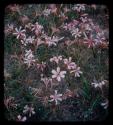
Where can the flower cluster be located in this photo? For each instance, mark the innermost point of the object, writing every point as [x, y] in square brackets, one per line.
[27, 110]
[86, 29]
[72, 67]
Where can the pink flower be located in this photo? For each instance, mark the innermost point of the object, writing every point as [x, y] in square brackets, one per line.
[69, 63]
[19, 33]
[76, 71]
[90, 41]
[56, 97]
[37, 28]
[71, 25]
[56, 59]
[58, 74]
[8, 29]
[41, 66]
[10, 102]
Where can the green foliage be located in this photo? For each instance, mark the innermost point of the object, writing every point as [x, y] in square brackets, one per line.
[86, 89]
[11, 45]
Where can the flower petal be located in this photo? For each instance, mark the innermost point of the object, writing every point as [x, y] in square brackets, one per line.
[59, 78]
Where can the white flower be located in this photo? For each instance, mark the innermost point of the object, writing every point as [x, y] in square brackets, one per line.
[99, 85]
[84, 19]
[79, 7]
[69, 63]
[47, 12]
[71, 25]
[29, 58]
[56, 97]
[99, 38]
[29, 53]
[105, 104]
[52, 41]
[58, 74]
[20, 118]
[30, 39]
[29, 110]
[77, 72]
[19, 33]
[76, 33]
[56, 59]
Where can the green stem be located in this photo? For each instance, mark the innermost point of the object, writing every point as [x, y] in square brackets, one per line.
[93, 52]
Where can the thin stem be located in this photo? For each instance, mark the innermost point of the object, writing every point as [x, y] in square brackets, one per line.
[93, 52]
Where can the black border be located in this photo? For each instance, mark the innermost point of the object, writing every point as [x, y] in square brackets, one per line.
[3, 4]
